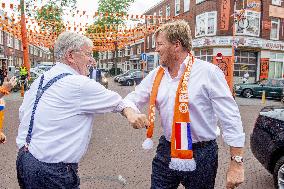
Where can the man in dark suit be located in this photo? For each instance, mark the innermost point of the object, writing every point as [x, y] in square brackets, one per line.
[95, 73]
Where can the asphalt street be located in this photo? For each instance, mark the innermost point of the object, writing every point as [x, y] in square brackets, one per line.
[115, 158]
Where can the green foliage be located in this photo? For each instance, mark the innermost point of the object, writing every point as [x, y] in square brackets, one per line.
[113, 8]
[52, 14]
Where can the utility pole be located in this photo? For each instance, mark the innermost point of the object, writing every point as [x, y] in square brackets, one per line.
[25, 42]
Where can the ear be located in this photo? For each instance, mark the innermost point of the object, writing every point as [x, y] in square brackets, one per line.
[178, 45]
[69, 56]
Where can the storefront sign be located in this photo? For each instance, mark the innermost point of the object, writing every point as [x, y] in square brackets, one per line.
[275, 11]
[273, 45]
[264, 68]
[225, 65]
[239, 41]
[254, 5]
[225, 15]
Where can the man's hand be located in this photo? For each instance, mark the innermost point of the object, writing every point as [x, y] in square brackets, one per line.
[235, 175]
[9, 84]
[137, 120]
[2, 138]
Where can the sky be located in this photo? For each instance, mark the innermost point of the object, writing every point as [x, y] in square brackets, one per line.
[138, 7]
[91, 6]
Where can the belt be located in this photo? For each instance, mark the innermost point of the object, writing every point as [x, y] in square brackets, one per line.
[194, 145]
[203, 144]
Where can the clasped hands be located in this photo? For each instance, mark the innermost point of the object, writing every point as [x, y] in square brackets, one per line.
[136, 120]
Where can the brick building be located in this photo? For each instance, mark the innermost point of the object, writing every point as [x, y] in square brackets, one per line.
[11, 50]
[257, 42]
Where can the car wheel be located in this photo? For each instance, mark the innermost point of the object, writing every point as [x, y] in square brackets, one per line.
[278, 174]
[129, 83]
[247, 93]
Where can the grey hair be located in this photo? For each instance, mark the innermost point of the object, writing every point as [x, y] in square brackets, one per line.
[69, 41]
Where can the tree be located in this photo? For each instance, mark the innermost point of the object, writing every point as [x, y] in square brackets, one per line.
[50, 16]
[113, 8]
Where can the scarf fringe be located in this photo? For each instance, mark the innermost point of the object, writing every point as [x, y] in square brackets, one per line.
[148, 144]
[182, 164]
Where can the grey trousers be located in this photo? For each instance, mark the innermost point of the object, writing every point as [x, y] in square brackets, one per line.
[206, 157]
[34, 174]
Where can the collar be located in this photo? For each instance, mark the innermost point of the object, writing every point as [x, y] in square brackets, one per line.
[66, 68]
[181, 68]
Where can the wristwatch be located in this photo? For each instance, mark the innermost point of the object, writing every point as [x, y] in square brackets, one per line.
[238, 159]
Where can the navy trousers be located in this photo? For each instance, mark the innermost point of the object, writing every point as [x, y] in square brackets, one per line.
[206, 157]
[34, 174]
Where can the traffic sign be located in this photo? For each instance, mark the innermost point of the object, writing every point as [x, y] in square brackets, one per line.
[144, 56]
[219, 56]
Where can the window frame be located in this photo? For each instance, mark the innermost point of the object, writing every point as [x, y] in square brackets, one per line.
[177, 7]
[206, 19]
[153, 41]
[186, 5]
[278, 28]
[168, 10]
[276, 2]
[245, 31]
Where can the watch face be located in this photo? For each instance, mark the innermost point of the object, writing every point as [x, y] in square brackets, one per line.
[238, 159]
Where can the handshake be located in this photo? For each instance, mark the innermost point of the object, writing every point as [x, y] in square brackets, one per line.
[136, 120]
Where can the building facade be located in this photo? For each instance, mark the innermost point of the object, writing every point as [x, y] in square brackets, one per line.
[11, 49]
[253, 37]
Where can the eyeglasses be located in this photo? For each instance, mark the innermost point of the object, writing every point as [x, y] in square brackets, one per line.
[88, 54]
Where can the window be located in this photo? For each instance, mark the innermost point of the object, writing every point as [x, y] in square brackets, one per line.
[17, 44]
[177, 7]
[131, 51]
[109, 55]
[9, 40]
[139, 49]
[275, 26]
[1, 37]
[119, 53]
[154, 18]
[206, 24]
[245, 62]
[186, 4]
[168, 10]
[204, 54]
[127, 49]
[161, 15]
[276, 65]
[199, 1]
[153, 41]
[276, 2]
[254, 24]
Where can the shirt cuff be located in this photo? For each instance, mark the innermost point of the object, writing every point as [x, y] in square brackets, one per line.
[237, 141]
[126, 104]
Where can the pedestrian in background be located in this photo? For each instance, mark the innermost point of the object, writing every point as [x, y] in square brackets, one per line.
[188, 94]
[57, 115]
[5, 90]
[95, 73]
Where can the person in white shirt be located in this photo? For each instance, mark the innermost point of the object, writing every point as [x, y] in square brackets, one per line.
[204, 95]
[57, 115]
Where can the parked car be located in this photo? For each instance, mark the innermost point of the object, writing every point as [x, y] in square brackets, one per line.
[274, 88]
[267, 142]
[116, 78]
[133, 78]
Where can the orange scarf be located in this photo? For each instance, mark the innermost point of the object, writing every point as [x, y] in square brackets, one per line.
[181, 143]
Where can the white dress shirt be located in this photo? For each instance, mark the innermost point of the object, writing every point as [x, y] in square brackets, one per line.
[209, 98]
[64, 116]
